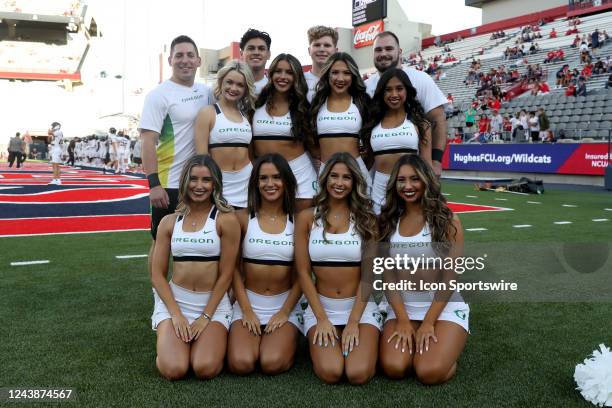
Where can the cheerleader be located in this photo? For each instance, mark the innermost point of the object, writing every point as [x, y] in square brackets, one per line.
[397, 126]
[425, 331]
[267, 316]
[280, 124]
[341, 322]
[192, 312]
[339, 109]
[224, 130]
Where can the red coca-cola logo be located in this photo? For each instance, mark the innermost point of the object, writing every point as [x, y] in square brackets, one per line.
[364, 34]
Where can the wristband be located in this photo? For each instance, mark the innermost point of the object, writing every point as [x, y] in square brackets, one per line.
[205, 315]
[437, 154]
[153, 180]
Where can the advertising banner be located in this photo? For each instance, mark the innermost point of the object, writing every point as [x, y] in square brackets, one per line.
[586, 159]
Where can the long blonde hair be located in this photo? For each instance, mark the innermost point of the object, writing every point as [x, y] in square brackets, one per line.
[359, 202]
[247, 103]
[217, 194]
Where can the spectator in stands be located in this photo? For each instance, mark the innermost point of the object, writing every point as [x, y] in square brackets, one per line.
[470, 114]
[458, 136]
[572, 30]
[585, 56]
[484, 128]
[595, 39]
[524, 118]
[544, 124]
[609, 82]
[553, 33]
[571, 89]
[599, 67]
[606, 37]
[587, 71]
[576, 41]
[534, 126]
[582, 88]
[515, 126]
[497, 122]
[543, 88]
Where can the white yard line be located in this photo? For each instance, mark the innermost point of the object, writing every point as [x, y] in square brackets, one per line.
[42, 261]
[533, 202]
[522, 226]
[475, 229]
[600, 219]
[131, 256]
[471, 196]
[501, 199]
[562, 222]
[569, 205]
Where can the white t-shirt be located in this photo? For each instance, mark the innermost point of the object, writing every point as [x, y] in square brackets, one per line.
[58, 137]
[311, 80]
[534, 124]
[428, 93]
[170, 110]
[260, 84]
[496, 123]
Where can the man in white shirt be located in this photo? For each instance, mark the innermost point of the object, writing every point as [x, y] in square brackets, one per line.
[255, 52]
[322, 42]
[497, 121]
[387, 53]
[167, 128]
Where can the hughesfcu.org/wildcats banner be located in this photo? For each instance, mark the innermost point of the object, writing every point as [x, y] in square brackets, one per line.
[559, 158]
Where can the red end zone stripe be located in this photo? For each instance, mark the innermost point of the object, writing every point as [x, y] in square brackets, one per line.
[463, 208]
[32, 226]
[76, 195]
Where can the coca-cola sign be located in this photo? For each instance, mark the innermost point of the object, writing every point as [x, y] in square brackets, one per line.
[363, 35]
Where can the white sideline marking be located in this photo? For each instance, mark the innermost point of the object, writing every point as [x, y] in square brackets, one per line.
[471, 196]
[569, 205]
[607, 209]
[446, 194]
[475, 229]
[600, 219]
[501, 199]
[562, 222]
[533, 202]
[522, 226]
[131, 256]
[42, 261]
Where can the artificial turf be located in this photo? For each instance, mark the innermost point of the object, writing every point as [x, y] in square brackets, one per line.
[83, 321]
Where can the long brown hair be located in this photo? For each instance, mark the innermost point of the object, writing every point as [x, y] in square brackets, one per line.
[435, 208]
[289, 183]
[360, 205]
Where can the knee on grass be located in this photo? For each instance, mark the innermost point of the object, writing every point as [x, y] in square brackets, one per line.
[241, 364]
[330, 373]
[273, 362]
[207, 370]
[172, 370]
[394, 369]
[359, 375]
[434, 373]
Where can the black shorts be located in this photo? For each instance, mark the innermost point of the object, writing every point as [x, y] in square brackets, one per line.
[137, 160]
[158, 213]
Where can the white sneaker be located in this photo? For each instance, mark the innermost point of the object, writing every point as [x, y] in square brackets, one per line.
[59, 182]
[54, 181]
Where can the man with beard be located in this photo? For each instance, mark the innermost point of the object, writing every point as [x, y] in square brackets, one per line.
[387, 54]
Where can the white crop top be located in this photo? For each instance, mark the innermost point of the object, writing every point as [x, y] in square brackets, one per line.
[338, 124]
[342, 249]
[415, 246]
[226, 133]
[199, 246]
[260, 247]
[401, 139]
[268, 127]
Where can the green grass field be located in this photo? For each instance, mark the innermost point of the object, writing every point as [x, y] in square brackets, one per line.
[83, 321]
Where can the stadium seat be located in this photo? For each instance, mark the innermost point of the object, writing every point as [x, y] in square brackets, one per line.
[575, 118]
[604, 125]
[564, 119]
[587, 111]
[558, 112]
[600, 104]
[597, 110]
[571, 126]
[590, 104]
[607, 116]
[595, 118]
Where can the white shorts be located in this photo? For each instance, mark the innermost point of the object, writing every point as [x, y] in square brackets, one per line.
[236, 186]
[305, 175]
[267, 306]
[379, 188]
[339, 310]
[364, 171]
[192, 305]
[56, 155]
[417, 304]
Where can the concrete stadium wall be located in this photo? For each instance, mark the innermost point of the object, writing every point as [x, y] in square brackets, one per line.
[503, 9]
